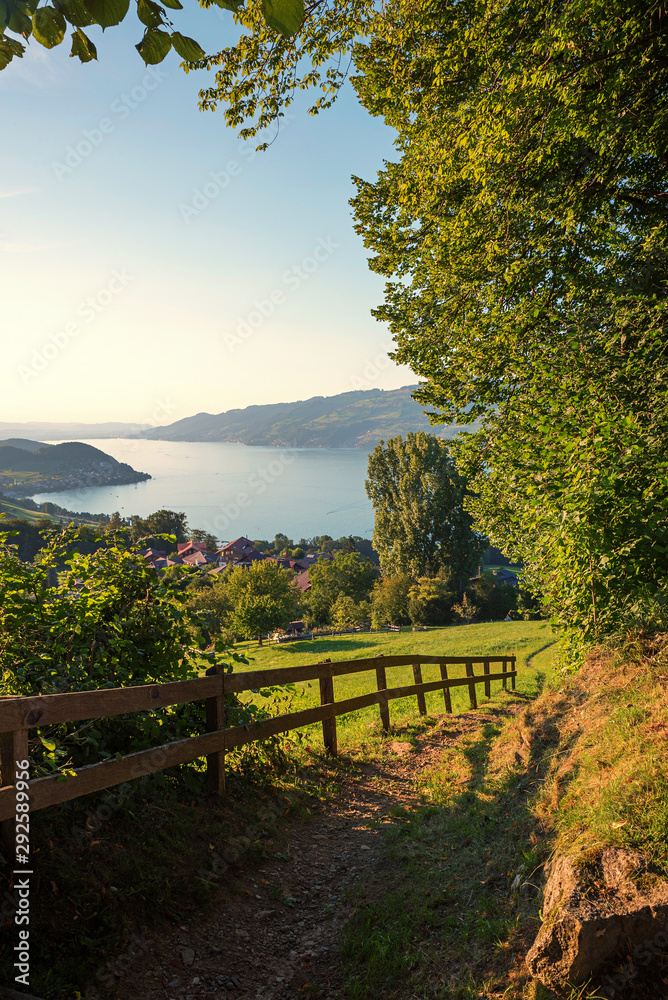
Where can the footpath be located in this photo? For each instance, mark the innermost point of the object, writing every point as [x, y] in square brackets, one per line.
[275, 931]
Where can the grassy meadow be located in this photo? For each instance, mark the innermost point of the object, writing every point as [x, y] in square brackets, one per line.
[531, 642]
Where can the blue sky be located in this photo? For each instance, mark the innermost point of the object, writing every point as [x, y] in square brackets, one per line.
[153, 266]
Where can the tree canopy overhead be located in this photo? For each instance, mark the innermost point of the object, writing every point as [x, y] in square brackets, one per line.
[523, 233]
[48, 24]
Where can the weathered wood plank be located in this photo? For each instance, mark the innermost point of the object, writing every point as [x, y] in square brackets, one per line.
[446, 689]
[329, 722]
[49, 709]
[13, 749]
[49, 791]
[513, 675]
[488, 686]
[95, 777]
[215, 722]
[381, 681]
[417, 676]
[250, 680]
[472, 691]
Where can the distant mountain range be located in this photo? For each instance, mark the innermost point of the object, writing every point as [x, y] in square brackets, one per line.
[356, 419]
[34, 467]
[45, 431]
[349, 420]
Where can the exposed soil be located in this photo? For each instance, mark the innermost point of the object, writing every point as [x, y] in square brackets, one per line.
[275, 938]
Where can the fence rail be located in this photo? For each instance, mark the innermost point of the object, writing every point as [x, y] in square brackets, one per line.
[19, 714]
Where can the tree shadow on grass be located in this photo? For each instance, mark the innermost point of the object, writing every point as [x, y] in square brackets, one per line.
[326, 646]
[460, 901]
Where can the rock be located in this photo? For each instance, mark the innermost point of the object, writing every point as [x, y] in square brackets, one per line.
[263, 914]
[593, 909]
[365, 847]
[187, 956]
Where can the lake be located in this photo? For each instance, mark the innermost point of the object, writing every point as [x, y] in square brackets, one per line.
[233, 489]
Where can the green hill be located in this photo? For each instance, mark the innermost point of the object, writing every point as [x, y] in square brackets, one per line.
[32, 467]
[349, 420]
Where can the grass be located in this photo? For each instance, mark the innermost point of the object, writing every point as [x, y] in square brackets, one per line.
[361, 730]
[581, 768]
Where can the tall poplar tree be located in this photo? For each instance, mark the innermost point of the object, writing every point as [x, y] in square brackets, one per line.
[421, 527]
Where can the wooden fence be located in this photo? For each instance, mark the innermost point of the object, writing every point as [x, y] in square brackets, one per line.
[19, 714]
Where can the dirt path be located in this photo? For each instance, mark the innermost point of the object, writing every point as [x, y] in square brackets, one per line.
[276, 939]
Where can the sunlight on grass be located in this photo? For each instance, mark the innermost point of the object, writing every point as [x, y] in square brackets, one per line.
[361, 730]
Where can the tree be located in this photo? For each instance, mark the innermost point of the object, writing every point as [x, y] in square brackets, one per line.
[199, 535]
[523, 231]
[163, 522]
[48, 25]
[262, 598]
[429, 601]
[389, 600]
[494, 600]
[421, 526]
[347, 613]
[347, 573]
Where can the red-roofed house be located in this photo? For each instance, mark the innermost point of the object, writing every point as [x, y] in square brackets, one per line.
[187, 548]
[241, 550]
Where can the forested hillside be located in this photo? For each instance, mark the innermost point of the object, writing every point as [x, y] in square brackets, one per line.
[348, 420]
[52, 467]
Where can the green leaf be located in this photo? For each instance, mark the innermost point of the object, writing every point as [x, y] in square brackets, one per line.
[75, 12]
[154, 46]
[107, 12]
[285, 16]
[149, 13]
[20, 22]
[186, 47]
[48, 26]
[82, 46]
[228, 4]
[48, 744]
[173, 4]
[4, 14]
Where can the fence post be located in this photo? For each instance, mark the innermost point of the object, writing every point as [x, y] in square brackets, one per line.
[446, 690]
[215, 720]
[488, 687]
[513, 667]
[472, 694]
[13, 748]
[503, 670]
[422, 704]
[327, 698]
[383, 703]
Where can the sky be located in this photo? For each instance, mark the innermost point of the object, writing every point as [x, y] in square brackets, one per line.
[153, 266]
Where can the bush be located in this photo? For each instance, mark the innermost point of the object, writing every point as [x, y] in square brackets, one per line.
[79, 622]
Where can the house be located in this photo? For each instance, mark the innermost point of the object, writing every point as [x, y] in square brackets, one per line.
[310, 559]
[302, 582]
[283, 562]
[151, 554]
[188, 548]
[241, 551]
[506, 576]
[199, 559]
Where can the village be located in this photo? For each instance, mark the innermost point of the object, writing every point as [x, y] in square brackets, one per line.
[240, 552]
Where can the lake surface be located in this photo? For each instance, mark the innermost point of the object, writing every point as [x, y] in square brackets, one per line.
[233, 489]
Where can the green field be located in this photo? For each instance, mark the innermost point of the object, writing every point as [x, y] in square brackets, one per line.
[527, 640]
